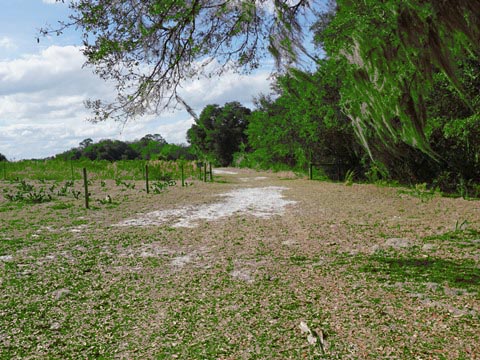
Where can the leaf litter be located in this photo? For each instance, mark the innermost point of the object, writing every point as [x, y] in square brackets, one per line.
[240, 287]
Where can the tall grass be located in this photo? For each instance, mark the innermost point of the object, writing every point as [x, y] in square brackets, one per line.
[61, 170]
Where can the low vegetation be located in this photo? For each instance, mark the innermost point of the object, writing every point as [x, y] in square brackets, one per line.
[356, 271]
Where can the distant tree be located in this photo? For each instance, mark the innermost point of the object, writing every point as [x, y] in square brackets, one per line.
[85, 143]
[219, 131]
[149, 145]
[155, 137]
[174, 152]
[111, 150]
[3, 157]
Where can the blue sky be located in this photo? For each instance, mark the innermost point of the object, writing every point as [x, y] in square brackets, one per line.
[43, 87]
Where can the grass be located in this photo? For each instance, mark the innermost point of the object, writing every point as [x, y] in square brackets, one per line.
[454, 274]
[74, 286]
[60, 170]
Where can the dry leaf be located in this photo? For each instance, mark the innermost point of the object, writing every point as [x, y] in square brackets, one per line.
[304, 328]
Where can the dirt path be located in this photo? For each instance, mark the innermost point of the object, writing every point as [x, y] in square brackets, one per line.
[257, 265]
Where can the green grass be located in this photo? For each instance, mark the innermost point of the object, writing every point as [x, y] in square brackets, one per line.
[60, 170]
[455, 274]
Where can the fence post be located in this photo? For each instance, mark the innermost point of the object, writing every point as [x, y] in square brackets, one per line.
[210, 170]
[310, 171]
[71, 167]
[4, 170]
[205, 172]
[183, 174]
[85, 184]
[146, 179]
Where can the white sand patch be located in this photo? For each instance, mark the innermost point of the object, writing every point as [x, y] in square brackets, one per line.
[224, 172]
[243, 274]
[6, 258]
[145, 251]
[181, 261]
[78, 229]
[260, 202]
[289, 242]
[257, 178]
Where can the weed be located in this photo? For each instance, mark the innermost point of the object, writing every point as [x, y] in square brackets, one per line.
[76, 193]
[63, 191]
[125, 184]
[27, 193]
[159, 186]
[420, 191]
[61, 206]
[349, 177]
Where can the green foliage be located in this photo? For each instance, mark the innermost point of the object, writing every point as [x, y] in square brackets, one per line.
[147, 148]
[219, 132]
[28, 193]
[390, 51]
[3, 157]
[172, 152]
[304, 124]
[456, 274]
[159, 187]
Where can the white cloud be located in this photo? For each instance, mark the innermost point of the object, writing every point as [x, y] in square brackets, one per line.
[42, 111]
[7, 43]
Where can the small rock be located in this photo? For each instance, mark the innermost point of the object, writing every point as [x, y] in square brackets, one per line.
[431, 286]
[6, 258]
[427, 247]
[55, 326]
[60, 293]
[397, 243]
[243, 275]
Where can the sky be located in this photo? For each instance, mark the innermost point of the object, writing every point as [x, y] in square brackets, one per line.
[43, 87]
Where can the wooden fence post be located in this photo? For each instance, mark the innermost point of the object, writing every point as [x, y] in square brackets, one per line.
[85, 185]
[183, 174]
[146, 179]
[310, 171]
[210, 170]
[204, 172]
[4, 170]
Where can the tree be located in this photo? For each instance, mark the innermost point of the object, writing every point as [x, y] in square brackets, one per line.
[149, 47]
[149, 145]
[219, 131]
[111, 150]
[85, 143]
[390, 50]
[3, 157]
[305, 122]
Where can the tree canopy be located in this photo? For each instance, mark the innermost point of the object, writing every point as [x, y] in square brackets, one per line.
[219, 131]
[150, 47]
[392, 49]
[389, 50]
[151, 146]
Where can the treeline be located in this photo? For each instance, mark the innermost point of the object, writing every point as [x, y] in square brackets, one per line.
[149, 147]
[304, 122]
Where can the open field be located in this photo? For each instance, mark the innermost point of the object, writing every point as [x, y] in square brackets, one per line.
[255, 265]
